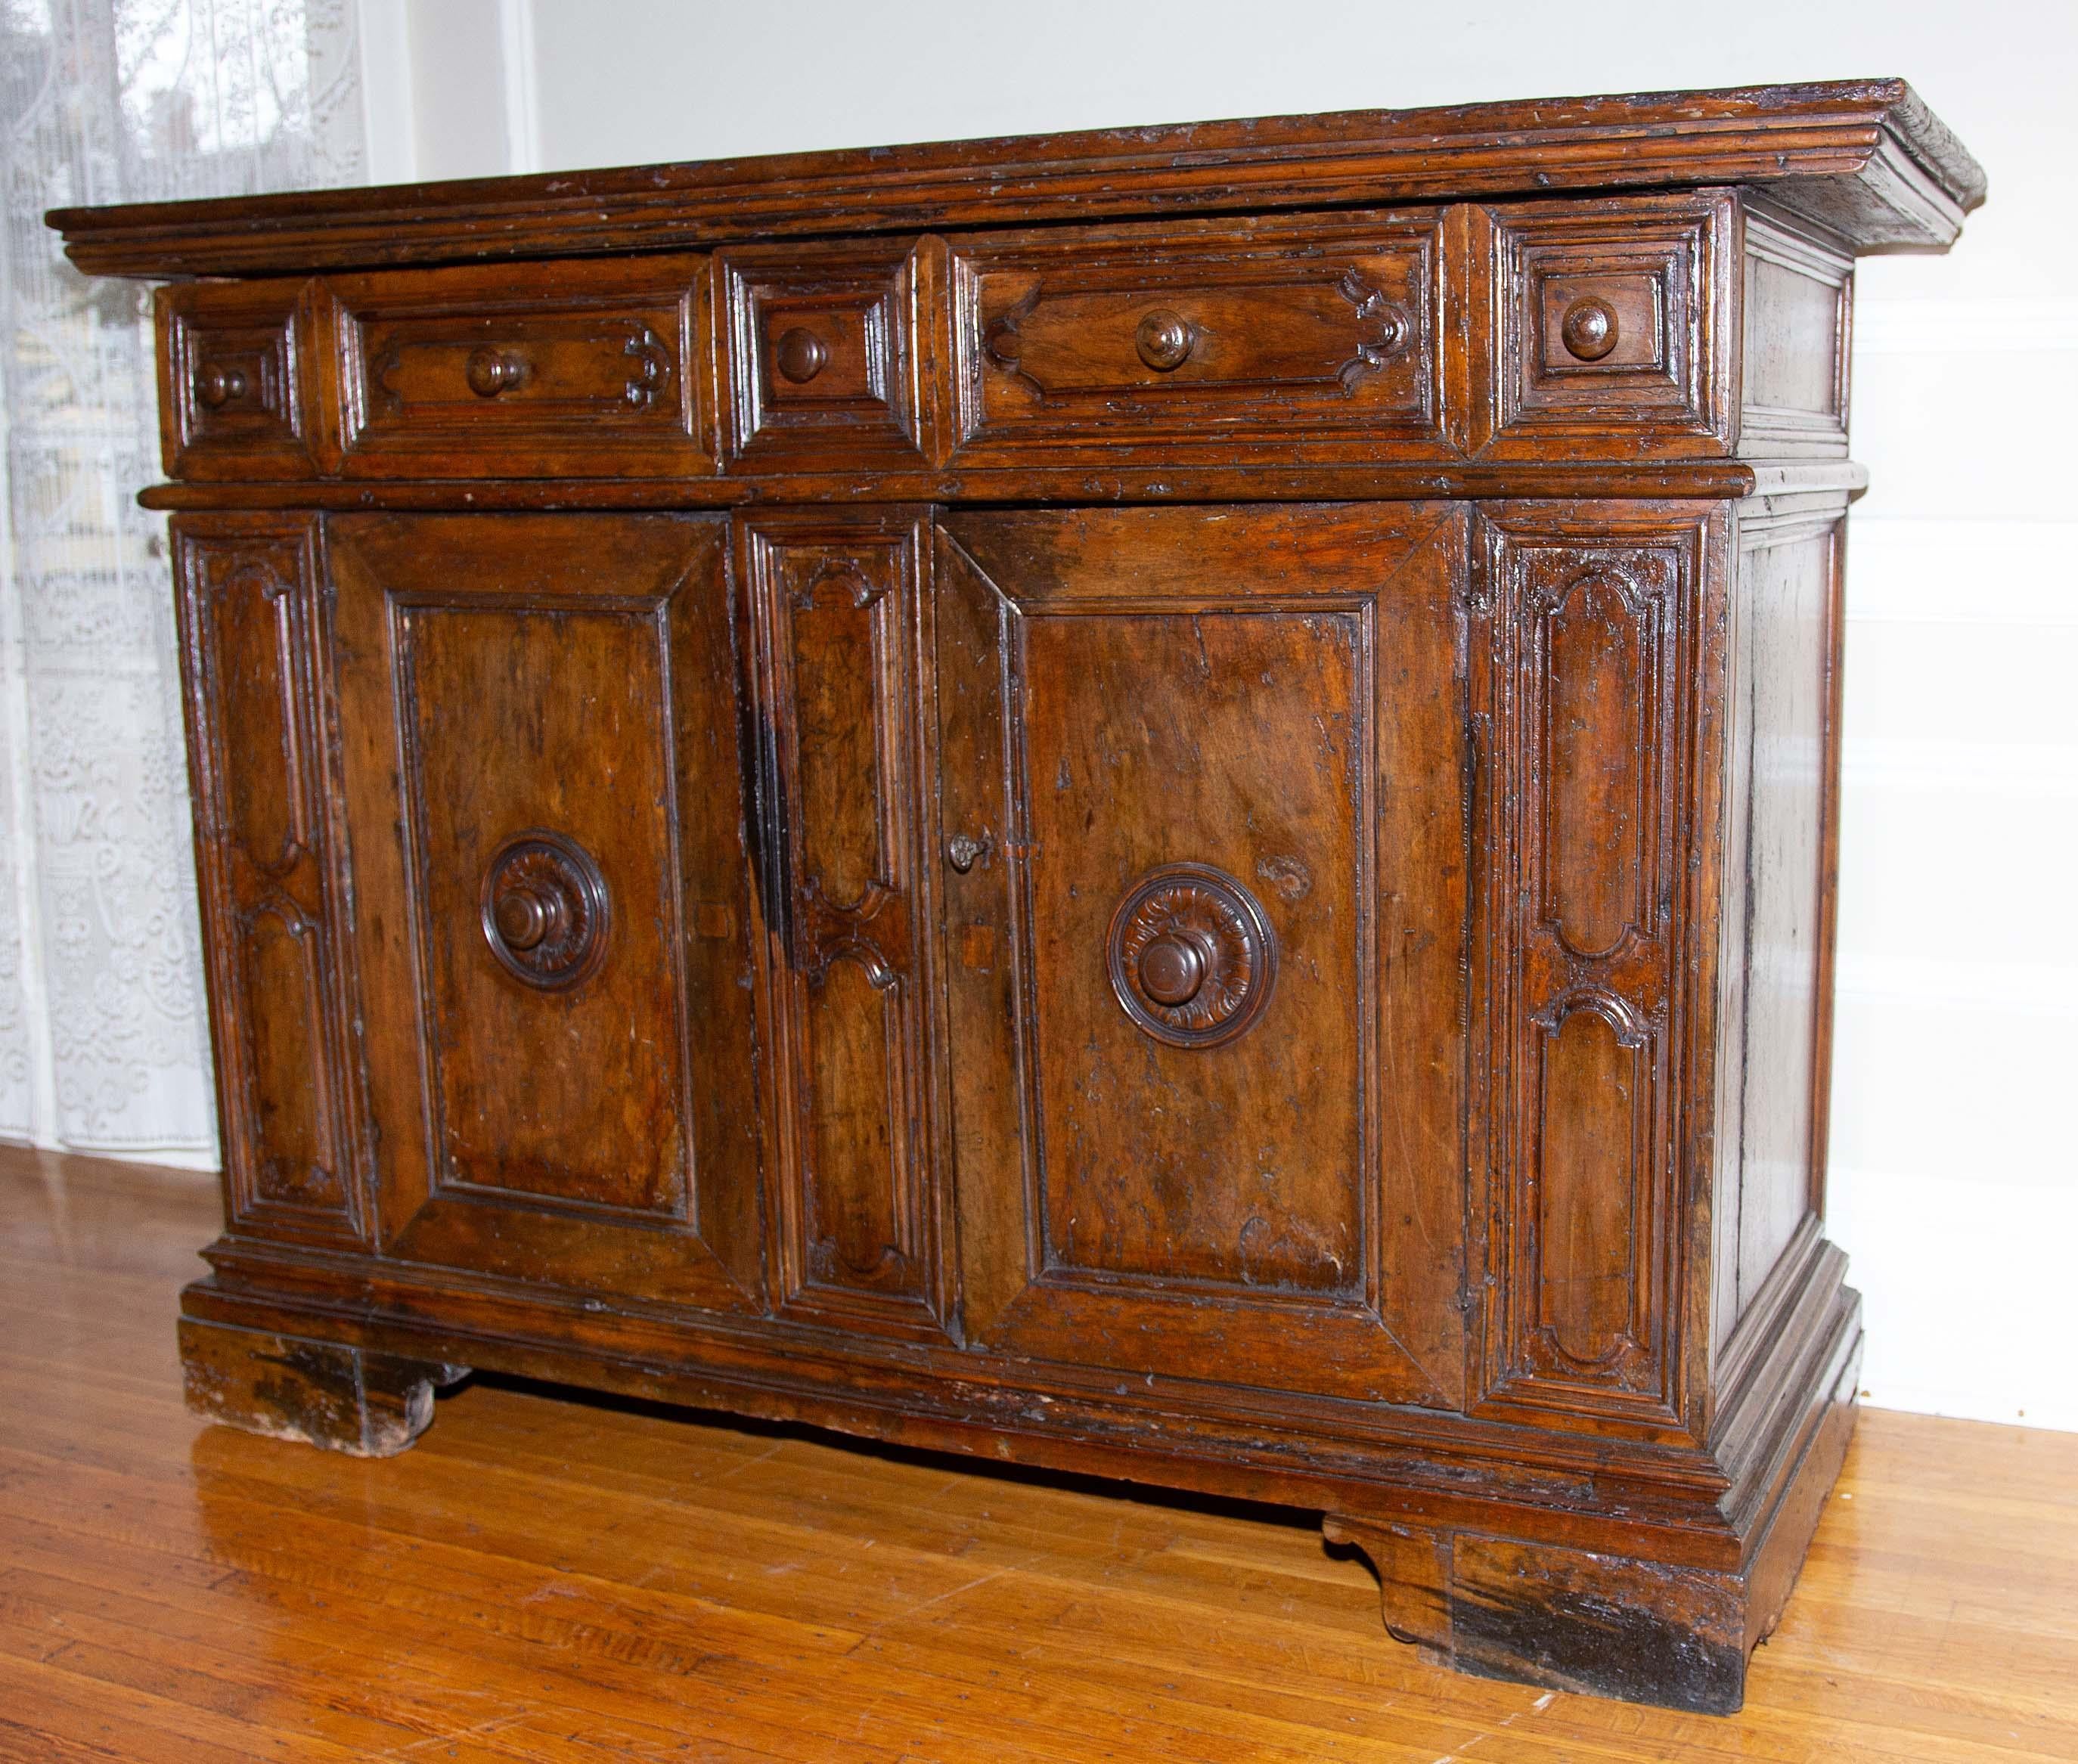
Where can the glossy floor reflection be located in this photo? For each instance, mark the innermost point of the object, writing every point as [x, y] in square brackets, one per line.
[550, 1578]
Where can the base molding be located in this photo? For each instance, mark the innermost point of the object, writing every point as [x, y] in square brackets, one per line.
[343, 1398]
[1533, 1612]
[1587, 1591]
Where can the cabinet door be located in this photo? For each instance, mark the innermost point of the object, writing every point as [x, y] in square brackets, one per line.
[1203, 798]
[544, 784]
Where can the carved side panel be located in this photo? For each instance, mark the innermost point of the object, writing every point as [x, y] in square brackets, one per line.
[837, 608]
[270, 856]
[1578, 681]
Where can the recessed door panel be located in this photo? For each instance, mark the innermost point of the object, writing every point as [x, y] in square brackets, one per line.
[546, 792]
[1207, 767]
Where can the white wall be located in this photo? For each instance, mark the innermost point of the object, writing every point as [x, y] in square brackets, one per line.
[1954, 1178]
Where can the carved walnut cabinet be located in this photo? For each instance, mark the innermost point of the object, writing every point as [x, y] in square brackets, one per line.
[1161, 803]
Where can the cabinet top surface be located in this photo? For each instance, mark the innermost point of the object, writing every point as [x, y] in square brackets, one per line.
[1865, 158]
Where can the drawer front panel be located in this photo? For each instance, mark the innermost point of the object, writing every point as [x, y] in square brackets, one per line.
[838, 605]
[237, 397]
[549, 370]
[1207, 935]
[822, 357]
[1615, 327]
[1321, 339]
[544, 705]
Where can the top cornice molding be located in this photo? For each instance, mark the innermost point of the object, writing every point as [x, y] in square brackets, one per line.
[1865, 159]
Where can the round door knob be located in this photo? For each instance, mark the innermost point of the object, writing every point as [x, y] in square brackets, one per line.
[491, 371]
[1164, 339]
[1589, 328]
[1172, 969]
[217, 385]
[801, 355]
[527, 917]
[544, 910]
[1192, 955]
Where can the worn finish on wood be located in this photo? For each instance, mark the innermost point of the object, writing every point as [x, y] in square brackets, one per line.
[565, 1581]
[1197, 846]
[1866, 158]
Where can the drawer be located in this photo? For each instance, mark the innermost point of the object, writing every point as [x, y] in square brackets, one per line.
[1615, 324]
[1319, 338]
[584, 369]
[822, 362]
[236, 394]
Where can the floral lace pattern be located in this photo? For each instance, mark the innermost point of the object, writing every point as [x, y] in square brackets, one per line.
[103, 1031]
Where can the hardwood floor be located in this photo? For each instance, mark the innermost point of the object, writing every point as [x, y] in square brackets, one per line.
[546, 1578]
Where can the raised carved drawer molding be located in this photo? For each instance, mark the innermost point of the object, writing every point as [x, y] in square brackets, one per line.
[823, 355]
[578, 370]
[838, 604]
[1615, 319]
[238, 396]
[1319, 338]
[1160, 802]
[1591, 631]
[270, 856]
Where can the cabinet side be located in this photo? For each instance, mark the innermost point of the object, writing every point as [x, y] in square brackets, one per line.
[1776, 956]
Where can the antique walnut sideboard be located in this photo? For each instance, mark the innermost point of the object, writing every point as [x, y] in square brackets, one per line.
[1159, 802]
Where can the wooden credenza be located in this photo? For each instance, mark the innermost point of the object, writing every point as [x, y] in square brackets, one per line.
[1161, 803]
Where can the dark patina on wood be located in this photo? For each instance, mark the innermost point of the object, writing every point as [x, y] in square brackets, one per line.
[1172, 813]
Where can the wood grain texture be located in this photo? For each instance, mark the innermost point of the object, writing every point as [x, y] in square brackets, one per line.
[575, 677]
[1185, 687]
[842, 613]
[1865, 158]
[735, 879]
[537, 1580]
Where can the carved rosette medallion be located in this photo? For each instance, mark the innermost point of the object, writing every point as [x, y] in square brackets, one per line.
[543, 910]
[1192, 955]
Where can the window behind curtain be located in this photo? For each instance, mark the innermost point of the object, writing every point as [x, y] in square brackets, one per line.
[103, 1029]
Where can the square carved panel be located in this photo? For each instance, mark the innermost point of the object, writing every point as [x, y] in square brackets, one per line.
[822, 353]
[1613, 325]
[236, 398]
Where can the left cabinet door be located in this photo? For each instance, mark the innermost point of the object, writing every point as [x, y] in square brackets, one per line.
[542, 777]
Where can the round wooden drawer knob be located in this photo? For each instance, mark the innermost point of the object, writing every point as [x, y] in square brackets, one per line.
[217, 385]
[801, 355]
[1164, 339]
[1589, 328]
[491, 371]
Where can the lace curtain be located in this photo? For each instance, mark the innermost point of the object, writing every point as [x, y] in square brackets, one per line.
[103, 1030]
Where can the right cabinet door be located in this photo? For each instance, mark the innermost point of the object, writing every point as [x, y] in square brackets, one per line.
[1204, 808]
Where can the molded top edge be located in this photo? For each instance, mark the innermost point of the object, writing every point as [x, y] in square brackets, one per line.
[1866, 159]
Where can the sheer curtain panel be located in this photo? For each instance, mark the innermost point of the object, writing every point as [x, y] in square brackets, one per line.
[103, 1032]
